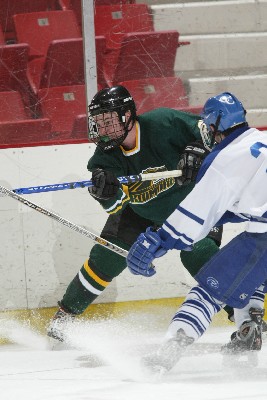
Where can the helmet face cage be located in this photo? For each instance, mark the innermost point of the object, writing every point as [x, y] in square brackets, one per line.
[223, 112]
[106, 130]
[206, 135]
[108, 122]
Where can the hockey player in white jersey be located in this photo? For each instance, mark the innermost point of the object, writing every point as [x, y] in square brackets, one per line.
[231, 187]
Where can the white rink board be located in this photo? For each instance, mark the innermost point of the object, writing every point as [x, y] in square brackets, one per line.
[39, 256]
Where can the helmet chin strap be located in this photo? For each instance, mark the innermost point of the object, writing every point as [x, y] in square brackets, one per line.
[127, 126]
[216, 131]
[217, 123]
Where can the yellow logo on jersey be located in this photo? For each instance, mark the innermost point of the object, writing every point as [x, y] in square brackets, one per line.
[143, 192]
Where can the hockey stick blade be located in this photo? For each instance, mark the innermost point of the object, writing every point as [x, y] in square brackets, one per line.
[64, 222]
[124, 180]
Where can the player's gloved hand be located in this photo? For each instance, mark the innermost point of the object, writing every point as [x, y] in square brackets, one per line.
[190, 162]
[146, 248]
[105, 184]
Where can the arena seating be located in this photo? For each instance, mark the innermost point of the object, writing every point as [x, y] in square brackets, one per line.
[56, 49]
[142, 55]
[64, 64]
[133, 49]
[151, 93]
[115, 21]
[12, 106]
[39, 29]
[74, 5]
[13, 73]
[16, 127]
[13, 65]
[25, 133]
[8, 8]
[49, 83]
[61, 105]
[148, 94]
[80, 127]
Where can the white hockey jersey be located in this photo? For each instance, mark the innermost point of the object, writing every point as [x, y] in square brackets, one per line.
[232, 178]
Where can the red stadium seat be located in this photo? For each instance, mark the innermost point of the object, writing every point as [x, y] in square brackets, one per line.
[142, 55]
[79, 128]
[13, 65]
[115, 21]
[13, 77]
[74, 5]
[152, 93]
[16, 128]
[64, 64]
[61, 105]
[25, 132]
[12, 106]
[8, 8]
[39, 29]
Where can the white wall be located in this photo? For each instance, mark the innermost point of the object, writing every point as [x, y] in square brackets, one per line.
[39, 257]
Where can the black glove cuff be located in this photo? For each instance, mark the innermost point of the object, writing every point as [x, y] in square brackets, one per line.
[216, 234]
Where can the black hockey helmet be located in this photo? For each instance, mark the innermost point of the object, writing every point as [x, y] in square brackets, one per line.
[111, 100]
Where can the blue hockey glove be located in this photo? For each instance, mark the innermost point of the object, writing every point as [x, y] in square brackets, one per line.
[146, 248]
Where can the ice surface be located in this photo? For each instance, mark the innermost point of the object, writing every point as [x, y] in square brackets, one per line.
[101, 362]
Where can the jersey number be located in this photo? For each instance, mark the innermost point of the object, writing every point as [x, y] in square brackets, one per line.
[255, 149]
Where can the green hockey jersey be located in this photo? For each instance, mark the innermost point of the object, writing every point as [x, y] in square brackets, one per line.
[161, 137]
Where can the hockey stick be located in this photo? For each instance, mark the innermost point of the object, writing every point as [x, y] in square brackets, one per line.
[125, 180]
[64, 221]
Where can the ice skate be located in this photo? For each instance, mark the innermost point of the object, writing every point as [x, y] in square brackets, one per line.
[246, 342]
[59, 324]
[168, 354]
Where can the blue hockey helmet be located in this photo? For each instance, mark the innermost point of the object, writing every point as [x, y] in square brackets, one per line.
[223, 112]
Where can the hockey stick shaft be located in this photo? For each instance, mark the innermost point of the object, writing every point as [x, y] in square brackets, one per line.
[64, 222]
[125, 180]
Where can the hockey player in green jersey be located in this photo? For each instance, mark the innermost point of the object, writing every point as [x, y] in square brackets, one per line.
[127, 144]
